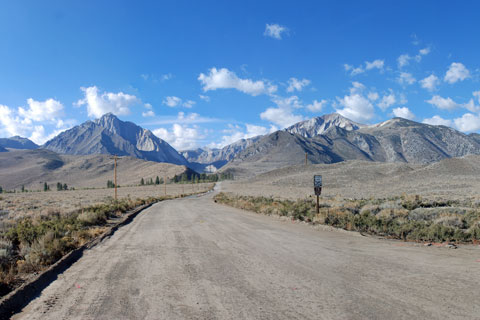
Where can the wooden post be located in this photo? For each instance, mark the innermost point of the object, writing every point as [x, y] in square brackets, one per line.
[317, 206]
[306, 158]
[165, 185]
[115, 176]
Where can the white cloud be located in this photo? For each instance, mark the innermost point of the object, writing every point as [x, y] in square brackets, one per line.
[316, 106]
[403, 112]
[438, 121]
[295, 84]
[443, 103]
[373, 96]
[406, 78]
[172, 101]
[99, 104]
[387, 101]
[12, 125]
[281, 117]
[476, 94]
[226, 79]
[189, 104]
[181, 137]
[356, 71]
[42, 110]
[288, 103]
[166, 77]
[376, 64]
[155, 78]
[430, 83]
[456, 72]
[403, 60]
[275, 31]
[148, 113]
[356, 106]
[468, 122]
[470, 106]
[40, 137]
[424, 51]
[25, 122]
[237, 133]
[357, 87]
[204, 98]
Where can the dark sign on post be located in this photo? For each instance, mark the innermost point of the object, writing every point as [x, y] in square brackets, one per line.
[317, 186]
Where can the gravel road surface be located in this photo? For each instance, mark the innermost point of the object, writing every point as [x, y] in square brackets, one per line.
[194, 259]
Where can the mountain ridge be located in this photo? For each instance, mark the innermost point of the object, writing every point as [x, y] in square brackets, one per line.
[110, 135]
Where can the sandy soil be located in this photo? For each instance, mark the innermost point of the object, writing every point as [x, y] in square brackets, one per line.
[449, 179]
[17, 205]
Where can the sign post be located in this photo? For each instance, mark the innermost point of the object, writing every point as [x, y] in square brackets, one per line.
[317, 187]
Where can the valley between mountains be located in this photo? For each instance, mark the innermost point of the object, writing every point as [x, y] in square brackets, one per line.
[397, 197]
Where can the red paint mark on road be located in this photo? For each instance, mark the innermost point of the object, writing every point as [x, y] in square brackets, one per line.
[78, 286]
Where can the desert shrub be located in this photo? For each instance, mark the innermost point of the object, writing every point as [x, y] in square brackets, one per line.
[90, 218]
[425, 221]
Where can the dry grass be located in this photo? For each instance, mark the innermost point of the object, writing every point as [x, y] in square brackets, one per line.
[406, 217]
[38, 228]
[14, 206]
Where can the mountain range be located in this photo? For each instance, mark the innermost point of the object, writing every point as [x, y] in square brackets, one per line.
[395, 140]
[327, 139]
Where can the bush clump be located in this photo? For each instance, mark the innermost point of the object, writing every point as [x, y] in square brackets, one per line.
[406, 218]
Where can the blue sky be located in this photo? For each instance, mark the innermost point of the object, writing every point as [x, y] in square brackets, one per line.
[202, 73]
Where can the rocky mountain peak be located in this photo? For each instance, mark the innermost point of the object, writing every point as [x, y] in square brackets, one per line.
[319, 125]
[110, 135]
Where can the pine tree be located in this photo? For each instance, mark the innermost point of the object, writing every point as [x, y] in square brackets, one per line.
[45, 187]
[65, 187]
[23, 188]
[142, 182]
[1, 189]
[157, 180]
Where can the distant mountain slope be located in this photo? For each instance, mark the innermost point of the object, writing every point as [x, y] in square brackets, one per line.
[395, 140]
[110, 135]
[17, 142]
[32, 168]
[320, 125]
[281, 149]
[2, 149]
[206, 159]
[409, 141]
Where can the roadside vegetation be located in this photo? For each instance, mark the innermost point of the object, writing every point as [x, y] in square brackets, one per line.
[32, 243]
[409, 218]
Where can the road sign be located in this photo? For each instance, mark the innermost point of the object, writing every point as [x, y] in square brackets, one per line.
[317, 181]
[317, 187]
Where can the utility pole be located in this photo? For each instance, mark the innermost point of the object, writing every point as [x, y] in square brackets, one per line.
[165, 184]
[115, 175]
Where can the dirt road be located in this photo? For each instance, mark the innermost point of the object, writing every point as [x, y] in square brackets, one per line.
[194, 259]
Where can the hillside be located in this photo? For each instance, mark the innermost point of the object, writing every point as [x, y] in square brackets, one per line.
[17, 142]
[454, 178]
[34, 167]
